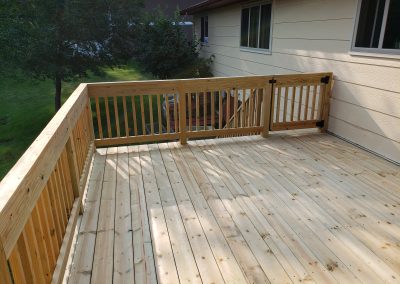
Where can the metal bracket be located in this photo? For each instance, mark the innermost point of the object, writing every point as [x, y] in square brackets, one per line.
[325, 79]
[272, 81]
[320, 123]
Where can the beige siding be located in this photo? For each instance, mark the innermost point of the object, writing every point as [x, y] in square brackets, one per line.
[315, 36]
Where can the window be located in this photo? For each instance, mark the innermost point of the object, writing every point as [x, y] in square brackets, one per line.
[204, 29]
[378, 26]
[255, 30]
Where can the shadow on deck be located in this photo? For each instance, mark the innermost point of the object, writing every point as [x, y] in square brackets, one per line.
[298, 207]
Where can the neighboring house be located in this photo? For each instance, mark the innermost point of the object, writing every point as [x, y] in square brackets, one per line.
[169, 8]
[359, 41]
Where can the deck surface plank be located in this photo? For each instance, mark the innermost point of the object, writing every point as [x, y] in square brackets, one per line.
[297, 207]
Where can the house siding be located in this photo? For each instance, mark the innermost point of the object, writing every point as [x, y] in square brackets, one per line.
[315, 36]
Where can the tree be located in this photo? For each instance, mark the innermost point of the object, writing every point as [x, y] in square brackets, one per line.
[63, 39]
[163, 49]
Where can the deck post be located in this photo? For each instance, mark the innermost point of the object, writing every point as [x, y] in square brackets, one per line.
[182, 115]
[5, 276]
[326, 103]
[266, 107]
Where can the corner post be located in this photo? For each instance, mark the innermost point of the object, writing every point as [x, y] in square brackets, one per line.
[182, 115]
[326, 102]
[266, 106]
[5, 276]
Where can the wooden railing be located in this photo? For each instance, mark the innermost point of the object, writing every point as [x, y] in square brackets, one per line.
[41, 197]
[149, 111]
[300, 101]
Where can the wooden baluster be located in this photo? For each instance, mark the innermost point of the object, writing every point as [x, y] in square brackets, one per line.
[292, 103]
[197, 111]
[56, 206]
[142, 115]
[42, 244]
[73, 167]
[49, 201]
[212, 111]
[108, 117]
[67, 185]
[160, 126]
[306, 104]
[16, 265]
[285, 103]
[220, 109]
[59, 200]
[319, 101]
[5, 276]
[235, 108]
[176, 119]
[116, 116]
[78, 146]
[267, 109]
[30, 240]
[166, 98]
[190, 111]
[258, 107]
[89, 121]
[205, 111]
[245, 112]
[126, 123]
[300, 103]
[242, 110]
[182, 115]
[68, 179]
[313, 101]
[26, 259]
[228, 108]
[272, 105]
[251, 108]
[151, 115]
[135, 128]
[278, 105]
[49, 229]
[99, 125]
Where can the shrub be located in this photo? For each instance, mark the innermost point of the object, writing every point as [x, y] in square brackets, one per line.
[163, 49]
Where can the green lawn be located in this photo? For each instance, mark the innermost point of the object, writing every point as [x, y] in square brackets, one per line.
[27, 105]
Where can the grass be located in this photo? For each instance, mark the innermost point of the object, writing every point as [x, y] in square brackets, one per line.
[27, 105]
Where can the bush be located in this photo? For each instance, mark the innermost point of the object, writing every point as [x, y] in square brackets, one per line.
[163, 49]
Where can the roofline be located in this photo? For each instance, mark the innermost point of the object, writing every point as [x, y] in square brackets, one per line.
[207, 5]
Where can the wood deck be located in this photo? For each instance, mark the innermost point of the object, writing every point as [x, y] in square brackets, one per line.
[296, 207]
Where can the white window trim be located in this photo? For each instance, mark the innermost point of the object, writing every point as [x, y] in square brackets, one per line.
[267, 51]
[364, 51]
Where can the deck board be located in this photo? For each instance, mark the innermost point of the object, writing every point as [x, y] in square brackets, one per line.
[299, 206]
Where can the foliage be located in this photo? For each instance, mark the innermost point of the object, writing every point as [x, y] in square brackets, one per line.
[163, 49]
[63, 39]
[26, 107]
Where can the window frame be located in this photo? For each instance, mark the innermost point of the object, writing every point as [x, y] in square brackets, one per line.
[379, 49]
[204, 40]
[256, 49]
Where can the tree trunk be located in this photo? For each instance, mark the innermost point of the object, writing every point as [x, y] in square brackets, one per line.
[57, 98]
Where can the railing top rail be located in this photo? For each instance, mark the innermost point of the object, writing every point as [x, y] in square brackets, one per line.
[21, 187]
[128, 88]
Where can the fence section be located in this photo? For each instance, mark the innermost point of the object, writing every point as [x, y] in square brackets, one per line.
[300, 101]
[41, 196]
